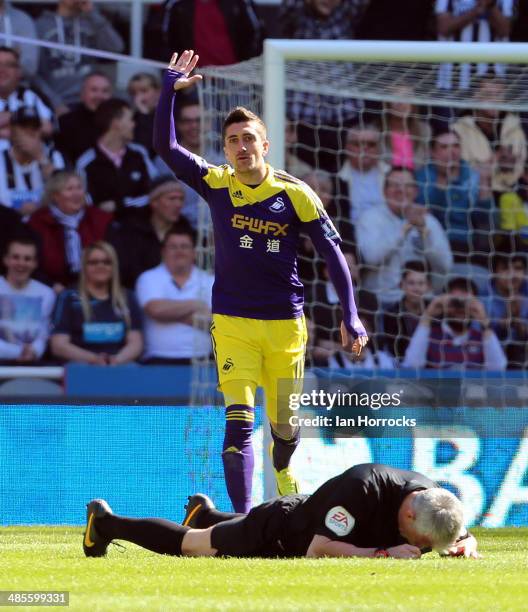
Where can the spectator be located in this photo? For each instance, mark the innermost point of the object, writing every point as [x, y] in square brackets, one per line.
[457, 196]
[471, 21]
[320, 19]
[176, 298]
[402, 20]
[25, 305]
[99, 322]
[78, 23]
[77, 131]
[27, 164]
[401, 318]
[455, 333]
[513, 217]
[11, 226]
[221, 32]
[189, 127]
[292, 163]
[65, 226]
[397, 232]
[18, 23]
[507, 307]
[325, 312]
[362, 176]
[13, 95]
[118, 171]
[405, 135]
[487, 135]
[138, 240]
[144, 90]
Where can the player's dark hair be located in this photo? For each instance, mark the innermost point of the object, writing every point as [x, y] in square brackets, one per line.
[14, 52]
[107, 111]
[463, 284]
[240, 114]
[415, 265]
[180, 230]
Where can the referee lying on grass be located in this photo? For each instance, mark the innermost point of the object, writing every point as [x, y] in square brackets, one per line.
[371, 510]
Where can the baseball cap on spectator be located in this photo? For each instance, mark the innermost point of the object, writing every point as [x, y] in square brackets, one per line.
[26, 116]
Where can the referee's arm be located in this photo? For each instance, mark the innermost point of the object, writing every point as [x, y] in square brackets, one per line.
[321, 546]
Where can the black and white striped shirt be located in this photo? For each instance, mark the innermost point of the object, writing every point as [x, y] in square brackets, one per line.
[478, 31]
[23, 96]
[23, 183]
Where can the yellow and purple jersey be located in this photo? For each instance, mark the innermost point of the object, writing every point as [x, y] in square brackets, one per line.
[256, 230]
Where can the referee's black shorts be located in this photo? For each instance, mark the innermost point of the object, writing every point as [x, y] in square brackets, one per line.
[261, 533]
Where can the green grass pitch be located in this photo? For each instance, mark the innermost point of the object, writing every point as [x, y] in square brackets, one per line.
[51, 558]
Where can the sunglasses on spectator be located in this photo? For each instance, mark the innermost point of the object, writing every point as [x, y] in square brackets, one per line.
[97, 262]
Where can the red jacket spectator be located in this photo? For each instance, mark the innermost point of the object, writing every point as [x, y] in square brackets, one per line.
[59, 258]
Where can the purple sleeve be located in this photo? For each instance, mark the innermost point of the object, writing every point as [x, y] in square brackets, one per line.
[186, 166]
[328, 247]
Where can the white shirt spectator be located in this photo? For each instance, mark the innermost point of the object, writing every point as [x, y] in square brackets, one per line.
[477, 31]
[385, 249]
[24, 318]
[174, 340]
[365, 189]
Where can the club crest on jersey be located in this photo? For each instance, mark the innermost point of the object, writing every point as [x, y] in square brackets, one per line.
[258, 226]
[278, 206]
[339, 521]
[228, 364]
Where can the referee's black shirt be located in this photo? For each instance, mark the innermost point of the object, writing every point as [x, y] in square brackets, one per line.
[359, 507]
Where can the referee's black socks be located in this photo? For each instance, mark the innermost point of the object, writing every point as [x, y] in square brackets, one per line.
[159, 535]
[284, 449]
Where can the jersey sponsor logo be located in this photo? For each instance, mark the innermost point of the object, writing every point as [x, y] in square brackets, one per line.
[339, 521]
[258, 226]
[278, 206]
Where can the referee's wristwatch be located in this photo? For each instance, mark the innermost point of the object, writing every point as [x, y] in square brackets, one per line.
[381, 553]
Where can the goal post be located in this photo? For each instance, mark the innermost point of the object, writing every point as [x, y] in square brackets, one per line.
[278, 51]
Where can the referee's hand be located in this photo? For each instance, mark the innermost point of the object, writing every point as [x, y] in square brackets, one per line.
[185, 64]
[355, 346]
[405, 551]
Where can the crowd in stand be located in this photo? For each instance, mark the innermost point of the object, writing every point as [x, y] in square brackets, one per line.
[99, 241]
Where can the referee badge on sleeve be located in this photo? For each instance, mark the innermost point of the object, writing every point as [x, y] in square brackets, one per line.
[339, 521]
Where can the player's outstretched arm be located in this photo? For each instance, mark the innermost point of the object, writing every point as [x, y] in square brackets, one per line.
[186, 166]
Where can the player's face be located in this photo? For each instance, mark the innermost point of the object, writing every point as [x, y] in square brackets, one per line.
[245, 146]
[71, 198]
[168, 206]
[98, 267]
[178, 253]
[415, 285]
[9, 72]
[20, 262]
[189, 126]
[95, 90]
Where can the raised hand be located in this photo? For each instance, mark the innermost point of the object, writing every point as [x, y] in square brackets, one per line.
[185, 64]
